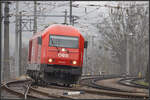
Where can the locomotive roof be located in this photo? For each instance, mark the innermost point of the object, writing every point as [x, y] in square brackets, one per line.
[59, 30]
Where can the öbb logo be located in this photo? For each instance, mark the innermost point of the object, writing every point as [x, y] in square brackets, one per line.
[63, 55]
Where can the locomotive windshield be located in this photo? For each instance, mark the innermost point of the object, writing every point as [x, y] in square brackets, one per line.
[64, 41]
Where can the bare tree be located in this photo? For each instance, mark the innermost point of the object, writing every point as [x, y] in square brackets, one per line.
[115, 31]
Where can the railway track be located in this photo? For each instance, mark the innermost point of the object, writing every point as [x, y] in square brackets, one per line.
[91, 82]
[23, 89]
[16, 88]
[131, 83]
[104, 92]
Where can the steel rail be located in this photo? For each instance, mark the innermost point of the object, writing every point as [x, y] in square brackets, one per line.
[15, 92]
[132, 83]
[27, 90]
[50, 95]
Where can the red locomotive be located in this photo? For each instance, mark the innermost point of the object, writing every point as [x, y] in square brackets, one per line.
[56, 55]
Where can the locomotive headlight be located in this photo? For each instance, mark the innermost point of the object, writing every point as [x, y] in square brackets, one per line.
[74, 62]
[50, 60]
[63, 49]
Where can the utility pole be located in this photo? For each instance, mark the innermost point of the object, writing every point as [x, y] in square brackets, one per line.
[127, 55]
[1, 37]
[16, 41]
[73, 19]
[86, 64]
[20, 44]
[65, 21]
[6, 70]
[70, 12]
[35, 18]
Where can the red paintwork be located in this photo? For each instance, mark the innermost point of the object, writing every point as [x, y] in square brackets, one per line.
[39, 54]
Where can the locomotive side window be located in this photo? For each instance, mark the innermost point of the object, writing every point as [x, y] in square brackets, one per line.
[64, 41]
[39, 40]
[30, 50]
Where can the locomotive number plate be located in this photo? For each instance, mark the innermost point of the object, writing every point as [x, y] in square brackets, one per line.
[63, 55]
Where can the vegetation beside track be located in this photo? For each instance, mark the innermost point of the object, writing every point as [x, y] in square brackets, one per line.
[142, 82]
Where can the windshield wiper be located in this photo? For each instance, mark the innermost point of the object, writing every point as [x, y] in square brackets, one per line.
[53, 45]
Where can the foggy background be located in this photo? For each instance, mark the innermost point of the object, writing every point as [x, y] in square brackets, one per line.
[106, 25]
